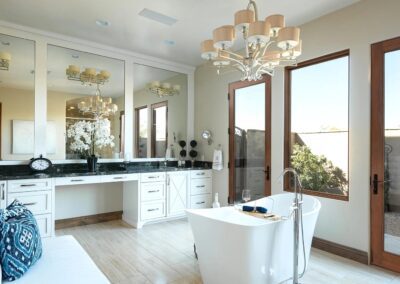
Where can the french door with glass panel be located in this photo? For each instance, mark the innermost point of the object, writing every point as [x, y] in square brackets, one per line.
[385, 154]
[249, 138]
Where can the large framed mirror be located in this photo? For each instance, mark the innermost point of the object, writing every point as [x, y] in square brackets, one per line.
[17, 98]
[86, 92]
[160, 104]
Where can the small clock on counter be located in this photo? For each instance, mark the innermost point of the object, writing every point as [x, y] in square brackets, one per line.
[40, 164]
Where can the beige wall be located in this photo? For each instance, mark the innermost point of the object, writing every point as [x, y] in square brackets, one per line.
[177, 109]
[16, 105]
[356, 28]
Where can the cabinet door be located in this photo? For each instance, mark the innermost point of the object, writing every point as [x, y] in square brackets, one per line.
[3, 194]
[177, 187]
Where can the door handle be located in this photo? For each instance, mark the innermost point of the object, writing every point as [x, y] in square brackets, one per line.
[267, 173]
[376, 182]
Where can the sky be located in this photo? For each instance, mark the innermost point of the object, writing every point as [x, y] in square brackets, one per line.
[320, 96]
[392, 90]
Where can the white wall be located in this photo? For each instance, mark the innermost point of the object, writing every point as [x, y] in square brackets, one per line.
[355, 28]
[84, 200]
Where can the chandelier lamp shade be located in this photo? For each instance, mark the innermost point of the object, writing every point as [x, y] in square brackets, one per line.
[268, 44]
[89, 76]
[5, 59]
[163, 89]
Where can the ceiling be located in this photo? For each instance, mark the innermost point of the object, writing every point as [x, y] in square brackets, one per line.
[179, 42]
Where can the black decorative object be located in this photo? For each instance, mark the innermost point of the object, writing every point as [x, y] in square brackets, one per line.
[183, 153]
[193, 154]
[182, 143]
[40, 164]
[92, 163]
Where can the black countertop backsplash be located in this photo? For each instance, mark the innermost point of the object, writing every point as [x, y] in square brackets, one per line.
[9, 172]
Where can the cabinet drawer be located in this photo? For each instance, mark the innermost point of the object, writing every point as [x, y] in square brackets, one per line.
[152, 210]
[77, 180]
[39, 202]
[152, 177]
[29, 185]
[44, 224]
[152, 191]
[201, 174]
[117, 178]
[200, 186]
[200, 201]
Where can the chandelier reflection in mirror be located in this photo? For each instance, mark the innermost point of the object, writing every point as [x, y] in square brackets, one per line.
[163, 90]
[5, 59]
[88, 77]
[97, 105]
[268, 44]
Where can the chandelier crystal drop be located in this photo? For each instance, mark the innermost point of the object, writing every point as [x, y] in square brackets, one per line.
[268, 44]
[163, 90]
[97, 105]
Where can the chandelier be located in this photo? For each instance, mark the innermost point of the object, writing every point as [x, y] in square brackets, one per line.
[5, 59]
[97, 105]
[268, 44]
[164, 89]
[88, 77]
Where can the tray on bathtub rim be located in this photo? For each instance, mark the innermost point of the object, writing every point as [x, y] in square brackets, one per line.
[266, 216]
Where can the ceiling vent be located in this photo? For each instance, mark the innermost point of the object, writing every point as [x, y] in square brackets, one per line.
[158, 17]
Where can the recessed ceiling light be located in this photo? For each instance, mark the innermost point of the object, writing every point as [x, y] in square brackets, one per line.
[5, 43]
[75, 56]
[103, 23]
[158, 17]
[169, 42]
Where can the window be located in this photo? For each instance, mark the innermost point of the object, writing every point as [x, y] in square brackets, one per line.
[316, 124]
[159, 130]
[141, 132]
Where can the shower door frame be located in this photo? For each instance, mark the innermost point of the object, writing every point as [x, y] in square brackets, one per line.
[379, 256]
[267, 167]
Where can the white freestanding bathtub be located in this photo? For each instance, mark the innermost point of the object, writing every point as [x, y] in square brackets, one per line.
[236, 248]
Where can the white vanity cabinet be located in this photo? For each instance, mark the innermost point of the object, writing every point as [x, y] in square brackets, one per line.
[3, 194]
[200, 189]
[38, 196]
[177, 193]
[161, 196]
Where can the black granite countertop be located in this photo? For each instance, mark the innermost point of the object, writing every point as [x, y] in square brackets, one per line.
[13, 172]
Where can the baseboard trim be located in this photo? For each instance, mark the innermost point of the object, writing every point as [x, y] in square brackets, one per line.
[341, 250]
[88, 220]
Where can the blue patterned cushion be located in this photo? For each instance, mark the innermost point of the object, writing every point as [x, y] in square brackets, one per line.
[20, 242]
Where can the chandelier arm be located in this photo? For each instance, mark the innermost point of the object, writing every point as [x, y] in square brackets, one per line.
[240, 57]
[253, 3]
[266, 48]
[234, 60]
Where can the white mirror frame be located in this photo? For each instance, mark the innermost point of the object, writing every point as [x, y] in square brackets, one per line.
[43, 38]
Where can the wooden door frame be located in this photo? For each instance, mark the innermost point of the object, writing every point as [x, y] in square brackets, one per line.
[231, 96]
[378, 255]
[137, 130]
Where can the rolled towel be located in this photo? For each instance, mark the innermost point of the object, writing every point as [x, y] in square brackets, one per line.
[218, 162]
[259, 209]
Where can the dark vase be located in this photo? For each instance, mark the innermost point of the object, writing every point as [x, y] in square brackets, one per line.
[92, 162]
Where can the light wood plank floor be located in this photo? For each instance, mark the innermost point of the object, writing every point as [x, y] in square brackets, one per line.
[163, 253]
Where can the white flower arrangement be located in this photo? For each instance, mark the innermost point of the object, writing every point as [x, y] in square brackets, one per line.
[87, 135]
